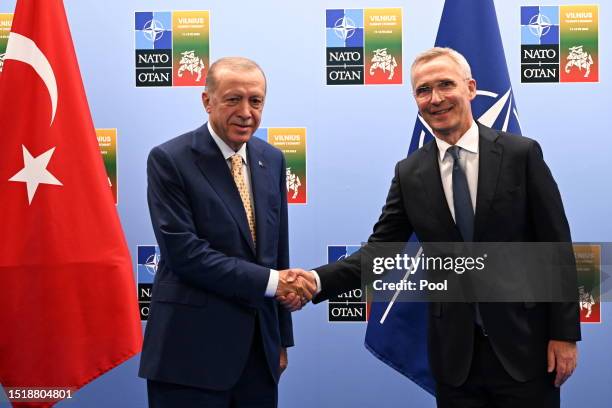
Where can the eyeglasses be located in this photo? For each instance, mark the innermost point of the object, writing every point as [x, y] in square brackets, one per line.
[444, 87]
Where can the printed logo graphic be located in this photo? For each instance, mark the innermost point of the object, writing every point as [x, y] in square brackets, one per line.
[172, 48]
[559, 44]
[350, 306]
[292, 142]
[6, 20]
[107, 140]
[588, 265]
[364, 46]
[148, 259]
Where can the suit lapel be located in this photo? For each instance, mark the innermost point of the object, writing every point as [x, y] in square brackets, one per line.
[429, 172]
[216, 171]
[260, 181]
[489, 164]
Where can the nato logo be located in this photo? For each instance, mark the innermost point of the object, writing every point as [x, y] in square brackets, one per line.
[148, 260]
[350, 306]
[344, 52]
[153, 32]
[539, 44]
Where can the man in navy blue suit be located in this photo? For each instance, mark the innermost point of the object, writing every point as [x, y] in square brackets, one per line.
[216, 336]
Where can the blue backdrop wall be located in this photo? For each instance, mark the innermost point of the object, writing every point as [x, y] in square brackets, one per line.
[356, 134]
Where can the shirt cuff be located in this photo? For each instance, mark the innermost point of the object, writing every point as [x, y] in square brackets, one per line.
[272, 283]
[316, 275]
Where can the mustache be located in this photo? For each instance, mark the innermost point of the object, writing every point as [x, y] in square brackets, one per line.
[241, 122]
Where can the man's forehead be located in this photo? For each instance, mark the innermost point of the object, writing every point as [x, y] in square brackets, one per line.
[227, 72]
[233, 77]
[436, 69]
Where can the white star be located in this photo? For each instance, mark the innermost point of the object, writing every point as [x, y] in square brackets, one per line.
[344, 28]
[35, 172]
[539, 25]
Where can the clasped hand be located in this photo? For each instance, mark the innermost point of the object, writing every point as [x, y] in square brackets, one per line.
[296, 287]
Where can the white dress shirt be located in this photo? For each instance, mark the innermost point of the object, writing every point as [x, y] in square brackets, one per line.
[227, 153]
[468, 161]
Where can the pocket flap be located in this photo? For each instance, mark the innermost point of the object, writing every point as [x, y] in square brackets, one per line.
[179, 293]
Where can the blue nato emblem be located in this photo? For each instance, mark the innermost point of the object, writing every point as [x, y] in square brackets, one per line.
[148, 260]
[540, 25]
[344, 28]
[339, 252]
[153, 30]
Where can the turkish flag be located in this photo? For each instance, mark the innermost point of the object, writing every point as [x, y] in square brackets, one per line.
[68, 308]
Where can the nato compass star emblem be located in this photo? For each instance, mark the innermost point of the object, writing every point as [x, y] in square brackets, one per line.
[539, 25]
[344, 28]
[153, 30]
[152, 263]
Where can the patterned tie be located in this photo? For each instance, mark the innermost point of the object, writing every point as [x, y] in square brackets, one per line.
[244, 193]
[464, 212]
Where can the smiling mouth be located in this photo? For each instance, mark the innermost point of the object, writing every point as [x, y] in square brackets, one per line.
[442, 111]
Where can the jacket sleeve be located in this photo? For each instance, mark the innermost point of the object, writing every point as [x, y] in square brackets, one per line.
[188, 255]
[550, 225]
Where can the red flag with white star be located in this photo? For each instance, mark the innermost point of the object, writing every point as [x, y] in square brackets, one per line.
[68, 309]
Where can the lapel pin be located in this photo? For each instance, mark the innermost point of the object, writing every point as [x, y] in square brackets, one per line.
[260, 163]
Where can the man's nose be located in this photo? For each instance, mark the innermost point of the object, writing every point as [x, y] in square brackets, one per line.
[436, 96]
[244, 110]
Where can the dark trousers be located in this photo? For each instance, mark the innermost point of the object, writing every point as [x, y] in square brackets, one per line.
[255, 388]
[489, 385]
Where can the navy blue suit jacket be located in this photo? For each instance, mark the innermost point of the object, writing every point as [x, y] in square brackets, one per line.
[210, 283]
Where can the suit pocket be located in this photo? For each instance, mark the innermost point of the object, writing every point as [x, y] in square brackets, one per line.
[171, 292]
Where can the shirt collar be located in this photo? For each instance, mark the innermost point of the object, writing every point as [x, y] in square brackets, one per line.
[227, 151]
[468, 141]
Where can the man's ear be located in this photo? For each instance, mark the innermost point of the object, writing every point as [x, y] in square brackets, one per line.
[472, 87]
[206, 101]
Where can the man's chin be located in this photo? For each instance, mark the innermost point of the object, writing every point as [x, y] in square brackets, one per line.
[443, 130]
[240, 138]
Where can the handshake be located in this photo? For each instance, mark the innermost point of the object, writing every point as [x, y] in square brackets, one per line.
[296, 287]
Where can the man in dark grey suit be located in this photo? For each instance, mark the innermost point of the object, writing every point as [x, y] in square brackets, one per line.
[475, 184]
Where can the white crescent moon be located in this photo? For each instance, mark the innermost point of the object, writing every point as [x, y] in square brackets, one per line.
[21, 48]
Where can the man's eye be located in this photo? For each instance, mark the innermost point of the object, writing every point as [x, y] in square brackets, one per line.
[256, 102]
[423, 90]
[445, 85]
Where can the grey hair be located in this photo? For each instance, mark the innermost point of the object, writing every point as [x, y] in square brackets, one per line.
[240, 64]
[437, 52]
